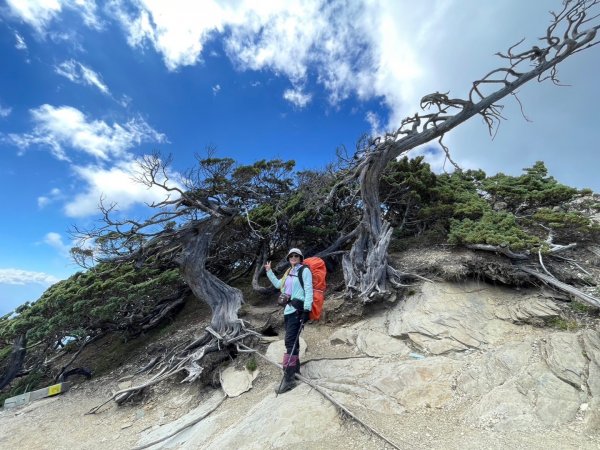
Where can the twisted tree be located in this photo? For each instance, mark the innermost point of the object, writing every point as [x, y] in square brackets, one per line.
[572, 30]
[210, 203]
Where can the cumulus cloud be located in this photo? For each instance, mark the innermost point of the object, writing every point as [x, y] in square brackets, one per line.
[115, 185]
[297, 97]
[65, 128]
[216, 88]
[176, 29]
[55, 241]
[22, 277]
[80, 74]
[40, 13]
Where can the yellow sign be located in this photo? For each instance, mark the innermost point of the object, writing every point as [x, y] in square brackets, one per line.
[55, 389]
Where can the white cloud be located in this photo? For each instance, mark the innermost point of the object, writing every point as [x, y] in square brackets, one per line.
[365, 48]
[5, 111]
[22, 277]
[113, 185]
[40, 13]
[297, 97]
[216, 88]
[374, 122]
[80, 74]
[55, 241]
[176, 29]
[388, 50]
[20, 42]
[65, 128]
[54, 195]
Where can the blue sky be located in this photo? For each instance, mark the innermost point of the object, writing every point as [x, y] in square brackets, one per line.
[87, 87]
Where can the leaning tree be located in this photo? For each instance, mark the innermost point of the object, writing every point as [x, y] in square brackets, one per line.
[366, 269]
[204, 219]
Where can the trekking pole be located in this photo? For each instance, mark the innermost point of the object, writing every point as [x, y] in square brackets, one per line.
[288, 363]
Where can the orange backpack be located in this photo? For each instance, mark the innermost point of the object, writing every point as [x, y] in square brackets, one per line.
[319, 272]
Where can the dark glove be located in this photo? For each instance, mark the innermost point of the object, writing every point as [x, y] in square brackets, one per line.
[305, 316]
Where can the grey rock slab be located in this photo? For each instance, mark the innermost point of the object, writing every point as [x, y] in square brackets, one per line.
[532, 399]
[297, 418]
[276, 350]
[178, 439]
[446, 317]
[591, 348]
[344, 336]
[494, 368]
[528, 309]
[385, 385]
[565, 358]
[375, 343]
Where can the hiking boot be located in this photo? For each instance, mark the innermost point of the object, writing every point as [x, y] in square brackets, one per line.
[289, 382]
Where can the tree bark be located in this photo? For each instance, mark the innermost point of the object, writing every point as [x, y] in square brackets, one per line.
[15, 362]
[224, 300]
[366, 266]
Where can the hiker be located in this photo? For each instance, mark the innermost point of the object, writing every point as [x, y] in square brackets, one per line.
[295, 314]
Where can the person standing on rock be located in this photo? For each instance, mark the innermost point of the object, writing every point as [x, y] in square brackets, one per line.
[298, 304]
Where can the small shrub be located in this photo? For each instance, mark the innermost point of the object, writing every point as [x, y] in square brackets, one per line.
[580, 307]
[562, 324]
[251, 364]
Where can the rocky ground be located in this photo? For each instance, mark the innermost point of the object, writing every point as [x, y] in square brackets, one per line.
[454, 365]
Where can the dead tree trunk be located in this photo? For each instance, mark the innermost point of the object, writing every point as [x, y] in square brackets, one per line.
[15, 362]
[366, 270]
[224, 300]
[365, 267]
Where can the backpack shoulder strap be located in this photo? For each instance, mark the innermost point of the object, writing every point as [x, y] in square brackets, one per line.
[300, 272]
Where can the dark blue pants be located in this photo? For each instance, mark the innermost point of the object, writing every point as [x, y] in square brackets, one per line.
[292, 329]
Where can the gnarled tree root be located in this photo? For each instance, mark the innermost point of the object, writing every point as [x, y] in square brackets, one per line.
[586, 298]
[189, 360]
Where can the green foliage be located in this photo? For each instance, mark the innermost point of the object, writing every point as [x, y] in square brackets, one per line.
[5, 352]
[418, 202]
[91, 302]
[532, 189]
[493, 228]
[459, 207]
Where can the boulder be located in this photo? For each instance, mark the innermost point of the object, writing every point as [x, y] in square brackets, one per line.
[235, 382]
